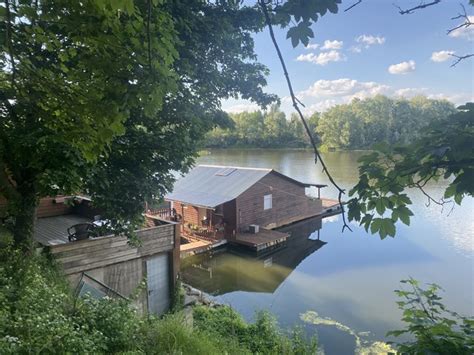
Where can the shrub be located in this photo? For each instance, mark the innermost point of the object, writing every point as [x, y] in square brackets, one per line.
[436, 330]
[38, 314]
[262, 337]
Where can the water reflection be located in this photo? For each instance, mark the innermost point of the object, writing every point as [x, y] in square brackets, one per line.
[351, 278]
[229, 270]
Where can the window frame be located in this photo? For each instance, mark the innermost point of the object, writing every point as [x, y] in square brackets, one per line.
[267, 202]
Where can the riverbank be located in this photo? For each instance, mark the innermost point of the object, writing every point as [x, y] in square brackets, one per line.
[39, 313]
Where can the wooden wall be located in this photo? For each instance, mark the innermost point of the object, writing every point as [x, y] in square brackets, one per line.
[47, 207]
[289, 203]
[88, 254]
[114, 262]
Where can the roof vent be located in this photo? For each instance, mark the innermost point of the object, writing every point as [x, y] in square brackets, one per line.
[225, 172]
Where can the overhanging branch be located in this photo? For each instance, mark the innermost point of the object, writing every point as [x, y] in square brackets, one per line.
[295, 102]
[413, 9]
[460, 58]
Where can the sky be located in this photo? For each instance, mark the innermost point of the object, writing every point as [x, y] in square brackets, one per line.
[370, 50]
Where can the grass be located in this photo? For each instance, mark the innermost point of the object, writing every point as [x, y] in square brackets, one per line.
[38, 314]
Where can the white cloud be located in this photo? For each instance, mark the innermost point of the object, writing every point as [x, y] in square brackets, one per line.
[465, 32]
[369, 40]
[402, 68]
[324, 94]
[356, 49]
[441, 56]
[365, 41]
[321, 58]
[332, 44]
[312, 46]
[345, 88]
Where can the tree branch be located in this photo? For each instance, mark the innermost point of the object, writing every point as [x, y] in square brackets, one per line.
[467, 22]
[353, 5]
[442, 202]
[421, 6]
[460, 58]
[298, 110]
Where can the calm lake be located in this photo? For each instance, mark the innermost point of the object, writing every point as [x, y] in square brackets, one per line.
[346, 278]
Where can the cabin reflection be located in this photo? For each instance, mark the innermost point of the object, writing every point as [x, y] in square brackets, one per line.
[229, 270]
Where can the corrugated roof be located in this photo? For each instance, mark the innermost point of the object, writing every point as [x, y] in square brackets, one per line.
[211, 185]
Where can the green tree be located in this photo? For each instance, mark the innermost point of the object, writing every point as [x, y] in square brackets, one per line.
[275, 126]
[66, 92]
[363, 123]
[444, 152]
[110, 96]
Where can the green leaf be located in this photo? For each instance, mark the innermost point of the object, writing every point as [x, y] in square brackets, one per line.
[380, 206]
[375, 226]
[395, 215]
[405, 218]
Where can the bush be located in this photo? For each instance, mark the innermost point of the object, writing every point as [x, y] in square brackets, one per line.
[262, 337]
[436, 330]
[38, 314]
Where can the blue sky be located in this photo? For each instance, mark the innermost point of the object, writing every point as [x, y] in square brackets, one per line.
[370, 50]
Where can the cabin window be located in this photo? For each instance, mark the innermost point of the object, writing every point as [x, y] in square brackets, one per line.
[267, 202]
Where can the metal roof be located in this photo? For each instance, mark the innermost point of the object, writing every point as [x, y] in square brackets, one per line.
[210, 185]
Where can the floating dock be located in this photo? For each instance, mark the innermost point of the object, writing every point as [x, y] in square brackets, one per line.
[264, 239]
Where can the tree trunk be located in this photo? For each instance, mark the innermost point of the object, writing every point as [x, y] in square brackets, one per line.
[25, 211]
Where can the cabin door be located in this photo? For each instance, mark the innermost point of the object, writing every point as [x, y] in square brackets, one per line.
[158, 282]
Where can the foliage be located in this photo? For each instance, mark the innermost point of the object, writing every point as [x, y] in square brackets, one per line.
[178, 298]
[109, 97]
[259, 129]
[302, 14]
[363, 123]
[436, 329]
[224, 321]
[358, 125]
[38, 314]
[66, 91]
[445, 151]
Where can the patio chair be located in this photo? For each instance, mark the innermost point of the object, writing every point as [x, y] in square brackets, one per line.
[81, 231]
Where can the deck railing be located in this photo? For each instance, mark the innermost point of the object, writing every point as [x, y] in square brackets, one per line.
[163, 213]
[208, 233]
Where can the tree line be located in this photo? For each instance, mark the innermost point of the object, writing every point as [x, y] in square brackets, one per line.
[357, 125]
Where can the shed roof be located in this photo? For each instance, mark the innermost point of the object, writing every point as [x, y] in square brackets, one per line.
[212, 185]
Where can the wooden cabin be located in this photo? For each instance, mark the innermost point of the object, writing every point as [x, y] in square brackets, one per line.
[232, 202]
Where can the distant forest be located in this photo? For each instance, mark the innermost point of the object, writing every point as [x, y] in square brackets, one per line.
[357, 125]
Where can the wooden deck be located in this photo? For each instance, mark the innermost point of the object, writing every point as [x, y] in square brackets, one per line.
[53, 230]
[199, 246]
[264, 239]
[330, 206]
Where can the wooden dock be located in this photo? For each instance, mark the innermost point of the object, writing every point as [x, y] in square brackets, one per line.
[264, 239]
[199, 246]
[330, 206]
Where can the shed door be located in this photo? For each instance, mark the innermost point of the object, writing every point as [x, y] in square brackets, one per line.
[158, 282]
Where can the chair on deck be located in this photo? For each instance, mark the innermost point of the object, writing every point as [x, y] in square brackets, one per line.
[81, 231]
